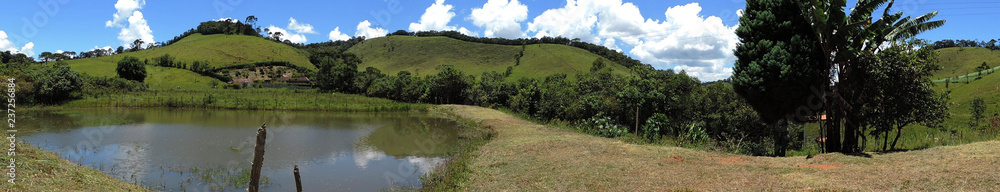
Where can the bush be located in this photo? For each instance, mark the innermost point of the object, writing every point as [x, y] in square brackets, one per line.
[655, 127]
[525, 97]
[164, 61]
[115, 84]
[695, 133]
[447, 87]
[207, 100]
[602, 126]
[131, 68]
[56, 83]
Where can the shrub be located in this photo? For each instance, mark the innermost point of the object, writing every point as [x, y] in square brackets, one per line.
[207, 100]
[655, 127]
[695, 133]
[56, 83]
[447, 87]
[115, 84]
[602, 125]
[131, 68]
[977, 108]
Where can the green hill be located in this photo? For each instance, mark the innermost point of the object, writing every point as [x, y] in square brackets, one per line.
[962, 94]
[423, 55]
[958, 61]
[158, 78]
[218, 50]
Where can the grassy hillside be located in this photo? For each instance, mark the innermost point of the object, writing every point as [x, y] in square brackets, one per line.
[957, 61]
[218, 50]
[424, 54]
[158, 78]
[961, 62]
[962, 94]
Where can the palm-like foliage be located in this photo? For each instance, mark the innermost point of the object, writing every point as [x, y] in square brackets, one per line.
[844, 38]
[842, 33]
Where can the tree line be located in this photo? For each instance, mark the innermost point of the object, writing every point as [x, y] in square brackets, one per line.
[650, 105]
[611, 55]
[991, 44]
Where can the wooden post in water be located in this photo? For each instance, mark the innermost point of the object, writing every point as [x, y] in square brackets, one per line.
[258, 159]
[298, 180]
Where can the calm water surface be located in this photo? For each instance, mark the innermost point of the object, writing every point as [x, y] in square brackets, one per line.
[206, 150]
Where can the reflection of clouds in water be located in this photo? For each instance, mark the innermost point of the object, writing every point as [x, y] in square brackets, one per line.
[364, 154]
[133, 158]
[425, 165]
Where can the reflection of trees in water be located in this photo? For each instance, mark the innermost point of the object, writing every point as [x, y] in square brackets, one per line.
[414, 136]
[45, 120]
[73, 119]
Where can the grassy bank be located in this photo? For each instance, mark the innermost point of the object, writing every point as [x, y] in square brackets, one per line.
[40, 170]
[242, 99]
[456, 173]
[525, 156]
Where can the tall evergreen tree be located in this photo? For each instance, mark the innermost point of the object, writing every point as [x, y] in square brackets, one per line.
[779, 68]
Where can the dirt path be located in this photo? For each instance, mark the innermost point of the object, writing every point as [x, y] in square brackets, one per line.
[528, 157]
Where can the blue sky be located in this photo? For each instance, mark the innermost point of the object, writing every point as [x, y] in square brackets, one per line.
[695, 36]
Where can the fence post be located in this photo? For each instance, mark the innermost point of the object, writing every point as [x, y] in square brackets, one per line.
[258, 159]
[298, 180]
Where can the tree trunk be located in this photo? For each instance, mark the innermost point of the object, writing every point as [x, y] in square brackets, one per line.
[864, 141]
[780, 142]
[850, 144]
[885, 140]
[899, 130]
[832, 130]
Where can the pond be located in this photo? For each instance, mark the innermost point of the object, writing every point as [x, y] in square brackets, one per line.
[210, 150]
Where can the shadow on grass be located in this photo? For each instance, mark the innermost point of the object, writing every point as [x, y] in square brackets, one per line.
[902, 150]
[859, 154]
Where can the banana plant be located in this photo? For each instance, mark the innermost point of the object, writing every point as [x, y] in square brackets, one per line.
[847, 37]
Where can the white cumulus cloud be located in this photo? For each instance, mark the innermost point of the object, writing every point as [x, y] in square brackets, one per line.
[300, 29]
[699, 45]
[575, 20]
[228, 18]
[702, 46]
[28, 49]
[365, 30]
[7, 45]
[125, 9]
[285, 35]
[131, 21]
[500, 18]
[436, 18]
[336, 35]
